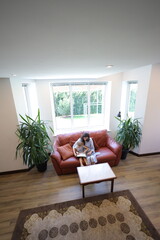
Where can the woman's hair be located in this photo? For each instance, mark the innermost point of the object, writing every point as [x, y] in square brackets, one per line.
[85, 135]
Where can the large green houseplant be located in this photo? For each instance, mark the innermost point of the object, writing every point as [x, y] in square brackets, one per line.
[34, 142]
[128, 134]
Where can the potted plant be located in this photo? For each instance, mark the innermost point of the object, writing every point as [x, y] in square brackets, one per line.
[34, 142]
[128, 134]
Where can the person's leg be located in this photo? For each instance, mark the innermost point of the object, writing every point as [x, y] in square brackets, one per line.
[92, 160]
[89, 160]
[81, 162]
[85, 161]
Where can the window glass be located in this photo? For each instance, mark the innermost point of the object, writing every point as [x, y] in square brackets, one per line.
[30, 99]
[25, 94]
[62, 107]
[79, 106]
[96, 109]
[132, 99]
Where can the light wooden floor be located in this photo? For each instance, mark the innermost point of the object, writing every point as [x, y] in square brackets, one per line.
[141, 175]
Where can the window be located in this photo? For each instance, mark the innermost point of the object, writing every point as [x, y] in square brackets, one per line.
[30, 99]
[26, 98]
[132, 98]
[79, 106]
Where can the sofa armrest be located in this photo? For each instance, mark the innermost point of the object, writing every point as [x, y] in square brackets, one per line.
[56, 160]
[113, 145]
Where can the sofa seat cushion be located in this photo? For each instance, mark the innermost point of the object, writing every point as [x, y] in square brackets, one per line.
[105, 153]
[70, 163]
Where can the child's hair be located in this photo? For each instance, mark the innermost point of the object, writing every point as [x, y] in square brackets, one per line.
[79, 143]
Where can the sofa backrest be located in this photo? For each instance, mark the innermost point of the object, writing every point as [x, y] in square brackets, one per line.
[99, 136]
[65, 138]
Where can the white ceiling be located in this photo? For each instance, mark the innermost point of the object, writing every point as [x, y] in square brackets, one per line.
[77, 38]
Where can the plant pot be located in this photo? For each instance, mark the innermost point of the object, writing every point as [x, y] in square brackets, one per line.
[124, 153]
[42, 167]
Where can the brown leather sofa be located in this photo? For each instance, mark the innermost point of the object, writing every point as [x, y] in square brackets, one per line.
[65, 162]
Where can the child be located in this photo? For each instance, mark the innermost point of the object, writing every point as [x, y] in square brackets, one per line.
[78, 149]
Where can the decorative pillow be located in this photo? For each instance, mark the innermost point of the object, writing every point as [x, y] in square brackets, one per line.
[65, 151]
[72, 143]
[95, 144]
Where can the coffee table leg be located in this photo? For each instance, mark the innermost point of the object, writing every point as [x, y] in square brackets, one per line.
[112, 185]
[83, 191]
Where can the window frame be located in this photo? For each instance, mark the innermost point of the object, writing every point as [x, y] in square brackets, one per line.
[104, 106]
[25, 87]
[128, 91]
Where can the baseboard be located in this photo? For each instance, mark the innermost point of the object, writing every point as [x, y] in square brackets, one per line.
[144, 154]
[17, 171]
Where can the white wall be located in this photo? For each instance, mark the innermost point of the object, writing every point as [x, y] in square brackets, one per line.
[8, 124]
[19, 100]
[44, 99]
[18, 97]
[151, 129]
[142, 75]
[45, 103]
[115, 99]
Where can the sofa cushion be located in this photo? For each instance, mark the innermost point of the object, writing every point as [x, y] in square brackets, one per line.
[100, 137]
[95, 143]
[106, 155]
[70, 163]
[65, 151]
[68, 137]
[72, 143]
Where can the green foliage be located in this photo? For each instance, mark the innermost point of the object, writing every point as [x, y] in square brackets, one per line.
[80, 100]
[34, 140]
[129, 133]
[132, 102]
[62, 104]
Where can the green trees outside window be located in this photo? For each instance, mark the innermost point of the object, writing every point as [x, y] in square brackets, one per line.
[62, 102]
[78, 105]
[132, 99]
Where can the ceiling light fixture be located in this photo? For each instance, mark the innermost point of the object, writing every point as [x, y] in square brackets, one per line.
[109, 66]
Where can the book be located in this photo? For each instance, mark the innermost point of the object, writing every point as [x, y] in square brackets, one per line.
[81, 154]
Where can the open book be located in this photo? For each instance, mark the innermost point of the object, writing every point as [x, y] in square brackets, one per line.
[81, 154]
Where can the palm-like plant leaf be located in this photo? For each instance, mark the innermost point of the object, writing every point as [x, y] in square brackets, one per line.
[34, 140]
[129, 133]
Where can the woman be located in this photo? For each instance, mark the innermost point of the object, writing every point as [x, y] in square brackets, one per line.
[88, 142]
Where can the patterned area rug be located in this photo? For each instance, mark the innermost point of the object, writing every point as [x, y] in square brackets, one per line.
[113, 216]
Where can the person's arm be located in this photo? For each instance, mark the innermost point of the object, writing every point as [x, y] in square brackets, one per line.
[74, 148]
[92, 146]
[85, 149]
[75, 151]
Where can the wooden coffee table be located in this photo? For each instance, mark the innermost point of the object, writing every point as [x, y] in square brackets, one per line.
[95, 174]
